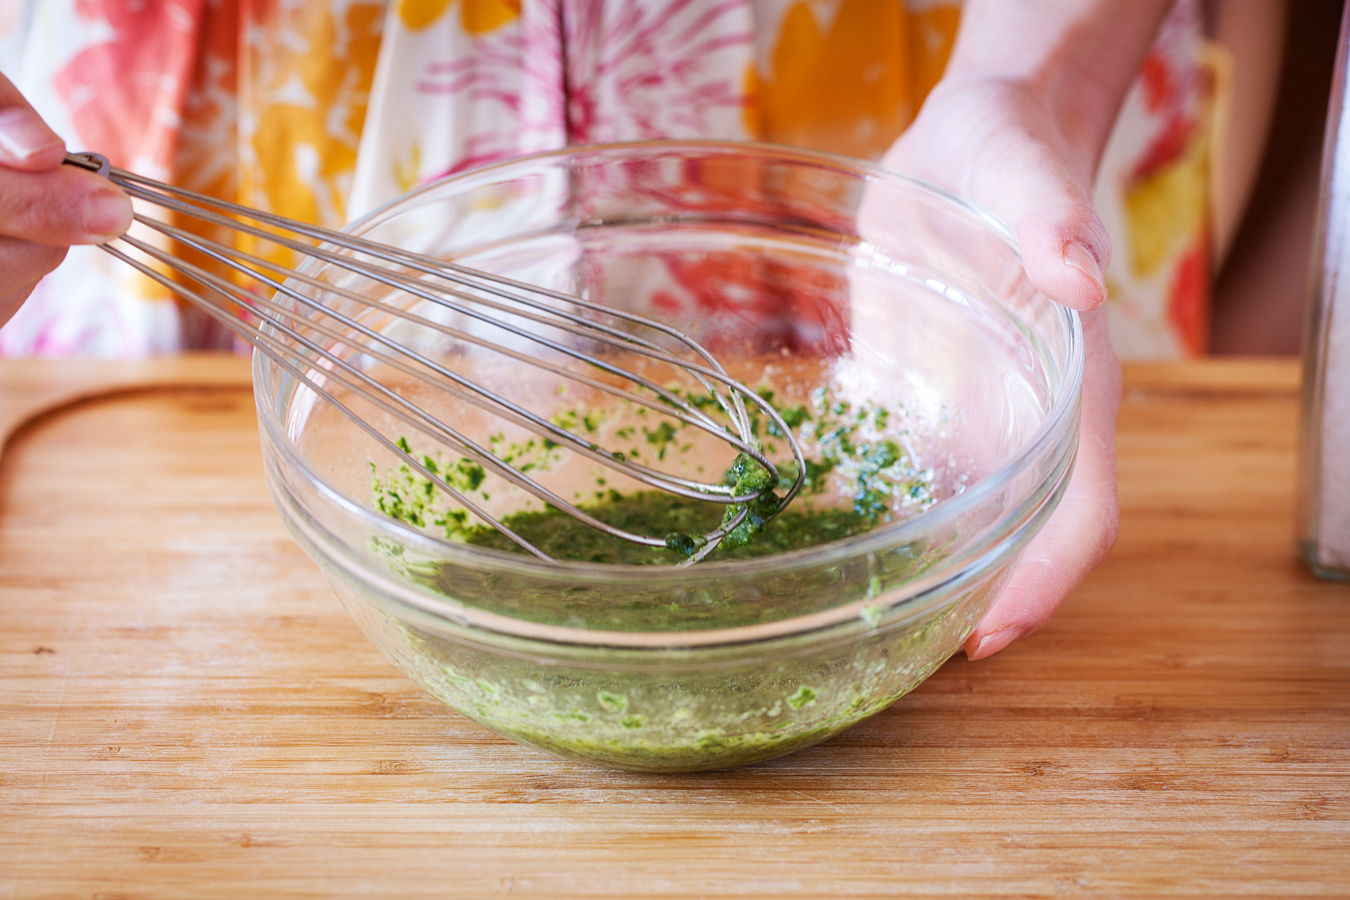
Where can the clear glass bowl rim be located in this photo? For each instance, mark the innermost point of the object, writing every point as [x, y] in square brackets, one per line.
[486, 560]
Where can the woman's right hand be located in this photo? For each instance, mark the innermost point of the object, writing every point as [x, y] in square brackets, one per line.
[45, 206]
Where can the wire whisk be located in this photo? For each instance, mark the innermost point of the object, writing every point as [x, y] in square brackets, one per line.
[321, 333]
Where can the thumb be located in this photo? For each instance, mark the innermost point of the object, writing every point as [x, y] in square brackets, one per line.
[1065, 247]
[1043, 191]
[1000, 147]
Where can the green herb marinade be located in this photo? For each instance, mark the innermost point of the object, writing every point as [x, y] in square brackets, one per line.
[848, 444]
[694, 719]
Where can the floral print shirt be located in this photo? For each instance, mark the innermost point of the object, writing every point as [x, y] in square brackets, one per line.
[323, 110]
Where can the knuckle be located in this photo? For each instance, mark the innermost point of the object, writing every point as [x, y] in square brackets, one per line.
[49, 210]
[24, 262]
[1105, 530]
[47, 257]
[40, 207]
[13, 300]
[1109, 535]
[26, 202]
[1102, 239]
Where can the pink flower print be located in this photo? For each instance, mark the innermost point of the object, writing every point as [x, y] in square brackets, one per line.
[125, 94]
[645, 69]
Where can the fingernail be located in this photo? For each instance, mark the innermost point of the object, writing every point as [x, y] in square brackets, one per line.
[992, 643]
[1082, 259]
[23, 135]
[106, 213]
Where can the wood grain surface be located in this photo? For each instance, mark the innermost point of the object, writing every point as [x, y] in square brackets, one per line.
[188, 712]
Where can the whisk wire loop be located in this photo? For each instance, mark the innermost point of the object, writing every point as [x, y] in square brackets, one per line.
[479, 395]
[676, 407]
[610, 336]
[304, 333]
[413, 415]
[265, 345]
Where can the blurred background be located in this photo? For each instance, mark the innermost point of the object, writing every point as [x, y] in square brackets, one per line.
[1260, 282]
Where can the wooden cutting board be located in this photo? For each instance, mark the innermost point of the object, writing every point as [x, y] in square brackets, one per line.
[188, 712]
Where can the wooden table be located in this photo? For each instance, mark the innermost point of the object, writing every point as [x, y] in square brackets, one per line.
[188, 712]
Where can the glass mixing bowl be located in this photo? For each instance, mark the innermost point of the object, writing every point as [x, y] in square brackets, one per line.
[776, 259]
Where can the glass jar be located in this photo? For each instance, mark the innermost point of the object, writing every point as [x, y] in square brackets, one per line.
[1324, 459]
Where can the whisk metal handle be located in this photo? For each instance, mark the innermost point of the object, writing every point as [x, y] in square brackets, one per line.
[93, 162]
[418, 276]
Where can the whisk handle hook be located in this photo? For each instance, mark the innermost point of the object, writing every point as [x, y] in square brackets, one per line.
[93, 162]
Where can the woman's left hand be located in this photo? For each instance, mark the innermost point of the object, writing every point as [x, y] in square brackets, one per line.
[995, 143]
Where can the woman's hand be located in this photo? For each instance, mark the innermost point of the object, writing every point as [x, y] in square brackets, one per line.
[1018, 125]
[45, 206]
